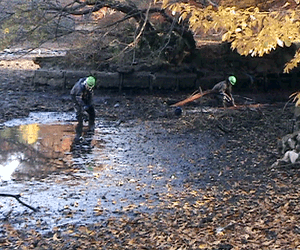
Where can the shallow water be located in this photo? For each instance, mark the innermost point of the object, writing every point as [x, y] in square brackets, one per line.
[43, 143]
[116, 169]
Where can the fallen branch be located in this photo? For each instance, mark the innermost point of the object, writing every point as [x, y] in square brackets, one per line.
[247, 106]
[191, 98]
[199, 95]
[17, 197]
[196, 96]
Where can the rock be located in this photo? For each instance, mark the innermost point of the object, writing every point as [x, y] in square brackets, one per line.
[178, 111]
[290, 157]
[289, 142]
[298, 137]
[292, 143]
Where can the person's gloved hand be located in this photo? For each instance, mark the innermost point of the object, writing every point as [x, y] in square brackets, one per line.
[86, 107]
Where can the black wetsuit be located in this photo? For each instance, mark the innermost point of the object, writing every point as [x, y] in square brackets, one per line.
[83, 100]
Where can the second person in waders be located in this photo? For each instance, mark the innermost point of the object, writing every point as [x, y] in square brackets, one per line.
[223, 90]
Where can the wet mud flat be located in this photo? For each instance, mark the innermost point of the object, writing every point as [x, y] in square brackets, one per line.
[115, 169]
[146, 176]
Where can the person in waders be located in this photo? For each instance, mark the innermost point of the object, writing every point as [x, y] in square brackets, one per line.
[82, 96]
[223, 90]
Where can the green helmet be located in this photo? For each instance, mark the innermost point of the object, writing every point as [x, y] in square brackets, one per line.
[91, 82]
[232, 79]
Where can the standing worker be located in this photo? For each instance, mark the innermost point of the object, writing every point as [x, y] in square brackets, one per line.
[82, 96]
[224, 90]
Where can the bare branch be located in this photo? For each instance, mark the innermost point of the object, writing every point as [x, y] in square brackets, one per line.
[17, 197]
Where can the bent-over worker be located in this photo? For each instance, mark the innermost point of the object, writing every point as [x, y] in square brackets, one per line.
[224, 89]
[82, 96]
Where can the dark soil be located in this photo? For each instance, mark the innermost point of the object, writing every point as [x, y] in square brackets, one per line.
[237, 170]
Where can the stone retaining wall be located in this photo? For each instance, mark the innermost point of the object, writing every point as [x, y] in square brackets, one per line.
[140, 80]
[65, 79]
[209, 66]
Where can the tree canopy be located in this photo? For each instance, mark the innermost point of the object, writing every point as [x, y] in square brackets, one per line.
[147, 26]
[252, 27]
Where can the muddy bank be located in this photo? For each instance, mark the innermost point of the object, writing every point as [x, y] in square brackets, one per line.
[148, 165]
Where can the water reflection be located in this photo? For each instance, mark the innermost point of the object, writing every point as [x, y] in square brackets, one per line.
[29, 133]
[9, 166]
[82, 142]
[36, 150]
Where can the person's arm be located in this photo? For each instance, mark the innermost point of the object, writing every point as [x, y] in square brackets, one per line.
[77, 91]
[232, 100]
[229, 94]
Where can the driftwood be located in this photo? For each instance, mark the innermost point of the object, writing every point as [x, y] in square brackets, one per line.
[191, 98]
[17, 197]
[196, 96]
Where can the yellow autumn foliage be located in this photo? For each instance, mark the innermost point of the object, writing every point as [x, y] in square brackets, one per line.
[30, 132]
[296, 98]
[250, 31]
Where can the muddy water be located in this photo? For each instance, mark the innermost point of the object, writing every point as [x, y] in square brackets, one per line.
[116, 169]
[37, 150]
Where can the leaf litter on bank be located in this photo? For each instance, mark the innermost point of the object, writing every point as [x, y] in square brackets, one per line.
[259, 210]
[205, 219]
